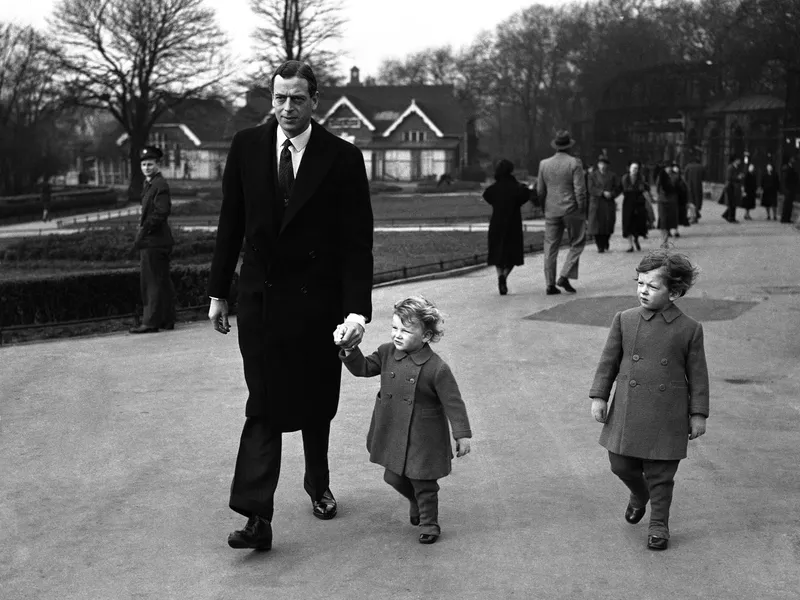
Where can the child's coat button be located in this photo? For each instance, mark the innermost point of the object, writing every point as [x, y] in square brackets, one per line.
[664, 361]
[410, 380]
[391, 374]
[633, 383]
[635, 357]
[662, 387]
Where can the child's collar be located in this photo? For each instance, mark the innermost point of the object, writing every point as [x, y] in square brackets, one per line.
[420, 357]
[670, 313]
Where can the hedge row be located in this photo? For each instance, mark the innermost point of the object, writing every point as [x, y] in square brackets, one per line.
[105, 293]
[30, 204]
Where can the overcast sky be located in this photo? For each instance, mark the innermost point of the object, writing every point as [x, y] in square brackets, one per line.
[376, 29]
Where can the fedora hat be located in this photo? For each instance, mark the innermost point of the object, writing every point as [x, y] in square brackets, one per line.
[604, 159]
[563, 140]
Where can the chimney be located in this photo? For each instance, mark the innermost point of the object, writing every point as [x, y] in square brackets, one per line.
[354, 76]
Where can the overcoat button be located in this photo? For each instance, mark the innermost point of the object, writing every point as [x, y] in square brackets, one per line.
[391, 374]
[304, 290]
[662, 387]
[633, 383]
[664, 361]
[408, 401]
[411, 380]
[635, 357]
[389, 395]
[312, 254]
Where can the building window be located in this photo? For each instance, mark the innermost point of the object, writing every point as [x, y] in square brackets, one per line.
[414, 136]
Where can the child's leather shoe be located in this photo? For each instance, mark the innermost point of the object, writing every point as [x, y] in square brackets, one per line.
[634, 515]
[655, 542]
[427, 538]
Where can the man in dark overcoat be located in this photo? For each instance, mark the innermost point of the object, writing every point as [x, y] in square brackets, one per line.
[298, 197]
[603, 186]
[693, 175]
[154, 242]
[791, 185]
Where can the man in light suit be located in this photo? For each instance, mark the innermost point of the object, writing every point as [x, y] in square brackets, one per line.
[298, 197]
[561, 185]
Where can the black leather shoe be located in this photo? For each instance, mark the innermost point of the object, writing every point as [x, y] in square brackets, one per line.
[143, 329]
[413, 519]
[501, 285]
[563, 282]
[427, 538]
[552, 290]
[325, 507]
[634, 515]
[655, 542]
[257, 535]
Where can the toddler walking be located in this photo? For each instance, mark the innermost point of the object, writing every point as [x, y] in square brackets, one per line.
[409, 433]
[655, 354]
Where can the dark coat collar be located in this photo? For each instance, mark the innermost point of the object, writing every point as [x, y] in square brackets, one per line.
[420, 357]
[670, 314]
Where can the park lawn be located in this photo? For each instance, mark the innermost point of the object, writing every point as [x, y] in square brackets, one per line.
[46, 256]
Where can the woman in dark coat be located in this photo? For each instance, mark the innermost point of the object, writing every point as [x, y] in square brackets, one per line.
[635, 192]
[770, 186]
[506, 196]
[604, 187]
[667, 186]
[750, 191]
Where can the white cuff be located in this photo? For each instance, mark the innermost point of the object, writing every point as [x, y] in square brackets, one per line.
[354, 318]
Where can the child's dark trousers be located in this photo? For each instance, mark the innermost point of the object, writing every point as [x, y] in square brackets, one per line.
[648, 480]
[423, 494]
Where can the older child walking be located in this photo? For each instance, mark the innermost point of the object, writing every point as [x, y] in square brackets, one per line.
[655, 354]
[409, 435]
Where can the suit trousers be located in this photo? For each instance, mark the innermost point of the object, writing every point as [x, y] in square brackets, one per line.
[258, 466]
[554, 227]
[158, 292]
[423, 494]
[788, 206]
[648, 480]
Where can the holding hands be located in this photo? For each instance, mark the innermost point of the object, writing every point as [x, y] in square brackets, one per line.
[348, 335]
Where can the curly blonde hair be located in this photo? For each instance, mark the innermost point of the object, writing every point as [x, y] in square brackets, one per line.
[416, 309]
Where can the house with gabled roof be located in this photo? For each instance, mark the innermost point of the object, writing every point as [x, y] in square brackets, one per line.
[194, 136]
[405, 132]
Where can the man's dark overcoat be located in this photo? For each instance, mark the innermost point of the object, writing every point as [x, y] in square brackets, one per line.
[602, 210]
[658, 363]
[301, 274]
[506, 196]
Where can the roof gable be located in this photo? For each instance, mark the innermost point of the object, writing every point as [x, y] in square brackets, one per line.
[344, 101]
[413, 108]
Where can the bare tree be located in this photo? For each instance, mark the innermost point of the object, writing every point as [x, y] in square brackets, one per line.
[138, 59]
[299, 30]
[31, 143]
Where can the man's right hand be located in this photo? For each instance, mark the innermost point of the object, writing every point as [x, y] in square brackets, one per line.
[218, 315]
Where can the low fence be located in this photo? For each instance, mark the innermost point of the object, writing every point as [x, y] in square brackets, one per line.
[18, 207]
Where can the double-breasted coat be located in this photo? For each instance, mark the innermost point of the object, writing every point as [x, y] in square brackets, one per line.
[506, 196]
[658, 363]
[304, 269]
[154, 231]
[602, 210]
[409, 434]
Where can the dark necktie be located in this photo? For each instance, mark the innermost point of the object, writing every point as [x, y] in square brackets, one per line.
[286, 172]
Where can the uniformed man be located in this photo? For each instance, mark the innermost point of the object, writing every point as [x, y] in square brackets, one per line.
[154, 243]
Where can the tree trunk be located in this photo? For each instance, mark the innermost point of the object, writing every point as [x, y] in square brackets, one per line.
[136, 176]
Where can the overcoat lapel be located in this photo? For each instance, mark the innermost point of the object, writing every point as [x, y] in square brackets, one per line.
[316, 163]
[263, 157]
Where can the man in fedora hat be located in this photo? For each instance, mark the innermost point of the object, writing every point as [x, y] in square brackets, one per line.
[562, 189]
[154, 243]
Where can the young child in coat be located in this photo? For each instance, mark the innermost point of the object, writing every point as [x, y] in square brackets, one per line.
[409, 435]
[655, 355]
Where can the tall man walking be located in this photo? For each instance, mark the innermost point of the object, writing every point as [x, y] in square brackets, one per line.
[693, 176]
[562, 188]
[298, 197]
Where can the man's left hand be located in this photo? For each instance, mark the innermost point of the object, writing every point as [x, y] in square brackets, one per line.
[697, 426]
[350, 334]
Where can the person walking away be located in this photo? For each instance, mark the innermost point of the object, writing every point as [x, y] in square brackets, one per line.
[683, 197]
[667, 191]
[154, 242]
[693, 177]
[656, 356]
[298, 197]
[46, 197]
[506, 197]
[562, 191]
[791, 183]
[733, 189]
[635, 197]
[410, 437]
[750, 191]
[770, 186]
[604, 186]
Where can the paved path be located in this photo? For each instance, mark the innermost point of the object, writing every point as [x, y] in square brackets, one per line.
[117, 451]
